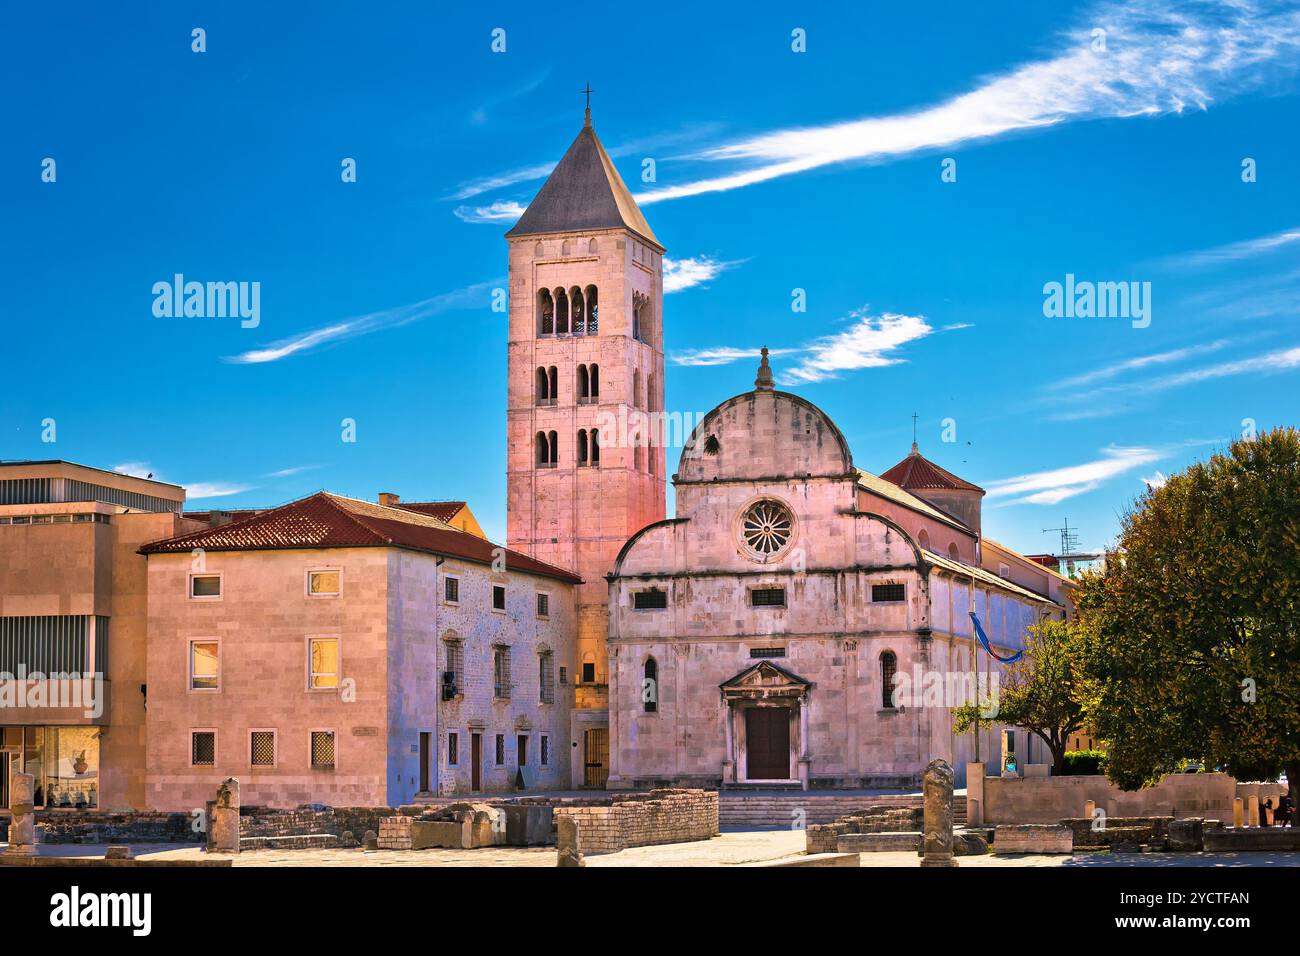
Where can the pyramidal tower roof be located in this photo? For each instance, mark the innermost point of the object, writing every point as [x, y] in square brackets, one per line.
[916, 472]
[584, 192]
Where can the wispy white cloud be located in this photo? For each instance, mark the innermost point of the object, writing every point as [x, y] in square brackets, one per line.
[871, 342]
[1160, 57]
[1155, 481]
[193, 490]
[1058, 484]
[289, 472]
[722, 356]
[1138, 363]
[485, 184]
[1235, 251]
[686, 273]
[1282, 360]
[503, 211]
[480, 113]
[467, 297]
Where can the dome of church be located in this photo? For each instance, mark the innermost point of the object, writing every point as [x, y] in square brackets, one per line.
[765, 433]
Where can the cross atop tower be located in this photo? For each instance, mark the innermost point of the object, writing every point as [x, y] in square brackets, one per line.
[915, 450]
[588, 90]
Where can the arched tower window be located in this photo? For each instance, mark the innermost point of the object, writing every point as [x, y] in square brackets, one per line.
[636, 388]
[591, 246]
[593, 372]
[582, 447]
[555, 384]
[553, 440]
[543, 450]
[594, 441]
[650, 686]
[561, 312]
[565, 248]
[578, 311]
[650, 403]
[952, 551]
[584, 384]
[593, 306]
[640, 317]
[545, 313]
[923, 539]
[888, 670]
[543, 388]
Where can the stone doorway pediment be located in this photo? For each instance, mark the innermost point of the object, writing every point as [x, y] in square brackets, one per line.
[765, 680]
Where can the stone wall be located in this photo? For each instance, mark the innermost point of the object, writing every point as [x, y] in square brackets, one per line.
[1051, 799]
[63, 826]
[643, 819]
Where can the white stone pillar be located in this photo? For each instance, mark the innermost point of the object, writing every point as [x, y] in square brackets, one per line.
[729, 754]
[804, 750]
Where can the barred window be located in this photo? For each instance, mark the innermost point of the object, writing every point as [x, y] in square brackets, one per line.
[766, 652]
[545, 677]
[262, 748]
[651, 600]
[451, 590]
[453, 749]
[322, 749]
[882, 593]
[454, 656]
[546, 750]
[543, 604]
[501, 673]
[501, 750]
[888, 668]
[203, 748]
[767, 597]
[650, 686]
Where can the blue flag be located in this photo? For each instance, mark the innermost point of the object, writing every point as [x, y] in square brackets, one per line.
[979, 632]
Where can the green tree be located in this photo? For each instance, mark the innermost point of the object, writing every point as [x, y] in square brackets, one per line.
[1191, 634]
[1037, 693]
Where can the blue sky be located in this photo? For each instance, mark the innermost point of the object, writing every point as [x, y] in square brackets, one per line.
[1115, 158]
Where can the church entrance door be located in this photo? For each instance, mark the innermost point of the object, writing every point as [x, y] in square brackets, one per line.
[767, 743]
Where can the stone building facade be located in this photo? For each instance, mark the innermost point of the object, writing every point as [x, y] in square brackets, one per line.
[341, 652]
[585, 360]
[787, 627]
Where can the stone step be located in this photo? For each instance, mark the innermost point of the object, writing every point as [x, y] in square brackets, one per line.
[309, 841]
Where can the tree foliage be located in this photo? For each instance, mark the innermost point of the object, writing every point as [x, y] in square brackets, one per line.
[1190, 636]
[1037, 693]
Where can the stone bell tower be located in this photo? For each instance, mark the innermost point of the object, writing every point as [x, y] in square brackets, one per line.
[585, 359]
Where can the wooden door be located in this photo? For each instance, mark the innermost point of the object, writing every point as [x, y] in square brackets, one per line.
[767, 743]
[476, 762]
[596, 757]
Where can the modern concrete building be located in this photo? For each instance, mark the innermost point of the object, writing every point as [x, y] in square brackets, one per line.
[72, 604]
[354, 654]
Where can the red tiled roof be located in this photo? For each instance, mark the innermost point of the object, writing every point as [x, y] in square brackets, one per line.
[238, 514]
[324, 520]
[442, 510]
[917, 471]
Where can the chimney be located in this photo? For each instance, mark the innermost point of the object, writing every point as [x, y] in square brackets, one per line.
[388, 499]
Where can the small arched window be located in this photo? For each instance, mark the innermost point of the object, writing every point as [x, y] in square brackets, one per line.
[577, 312]
[544, 396]
[561, 312]
[923, 539]
[952, 551]
[545, 313]
[593, 439]
[582, 447]
[543, 450]
[554, 442]
[555, 384]
[584, 384]
[591, 246]
[650, 403]
[565, 248]
[650, 686]
[593, 372]
[636, 388]
[593, 306]
[888, 670]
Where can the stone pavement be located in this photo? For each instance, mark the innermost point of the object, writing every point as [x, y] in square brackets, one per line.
[729, 849]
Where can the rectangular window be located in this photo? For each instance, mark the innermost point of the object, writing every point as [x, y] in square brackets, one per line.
[205, 587]
[767, 597]
[521, 749]
[501, 673]
[322, 749]
[453, 749]
[204, 665]
[588, 672]
[543, 605]
[203, 748]
[323, 654]
[261, 748]
[564, 676]
[767, 652]
[323, 583]
[545, 677]
[546, 750]
[498, 597]
[451, 590]
[651, 600]
[884, 593]
[452, 679]
[501, 750]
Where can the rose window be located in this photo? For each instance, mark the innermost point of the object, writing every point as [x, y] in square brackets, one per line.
[766, 528]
